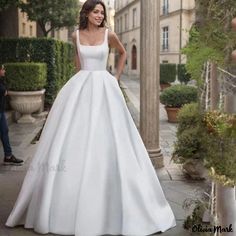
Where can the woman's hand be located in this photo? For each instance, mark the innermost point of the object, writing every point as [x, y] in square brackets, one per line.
[117, 77]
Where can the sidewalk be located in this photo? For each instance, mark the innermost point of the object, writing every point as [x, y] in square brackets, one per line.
[175, 186]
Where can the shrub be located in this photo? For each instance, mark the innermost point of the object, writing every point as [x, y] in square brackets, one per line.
[26, 76]
[221, 143]
[183, 76]
[167, 73]
[178, 95]
[191, 134]
[188, 116]
[56, 54]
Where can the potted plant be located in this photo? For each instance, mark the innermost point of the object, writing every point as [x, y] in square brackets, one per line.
[167, 75]
[175, 97]
[190, 147]
[221, 161]
[26, 83]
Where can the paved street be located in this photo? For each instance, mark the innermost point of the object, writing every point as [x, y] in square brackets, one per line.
[176, 187]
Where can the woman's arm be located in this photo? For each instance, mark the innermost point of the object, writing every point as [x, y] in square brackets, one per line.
[114, 42]
[76, 59]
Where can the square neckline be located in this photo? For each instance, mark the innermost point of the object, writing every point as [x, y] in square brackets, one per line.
[104, 40]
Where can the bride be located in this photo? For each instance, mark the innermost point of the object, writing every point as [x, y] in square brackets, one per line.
[105, 183]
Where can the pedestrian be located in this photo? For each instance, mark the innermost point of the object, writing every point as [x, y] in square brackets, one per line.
[91, 174]
[9, 158]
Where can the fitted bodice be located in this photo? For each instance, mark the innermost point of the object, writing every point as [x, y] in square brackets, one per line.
[93, 57]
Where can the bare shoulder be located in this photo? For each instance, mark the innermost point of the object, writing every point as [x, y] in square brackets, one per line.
[112, 35]
[113, 38]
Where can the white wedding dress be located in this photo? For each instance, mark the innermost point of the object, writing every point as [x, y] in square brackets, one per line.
[91, 174]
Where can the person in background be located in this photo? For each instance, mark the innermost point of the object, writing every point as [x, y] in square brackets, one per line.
[9, 158]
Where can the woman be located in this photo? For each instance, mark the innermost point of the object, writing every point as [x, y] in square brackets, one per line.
[91, 174]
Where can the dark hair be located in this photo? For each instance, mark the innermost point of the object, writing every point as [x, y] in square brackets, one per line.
[87, 7]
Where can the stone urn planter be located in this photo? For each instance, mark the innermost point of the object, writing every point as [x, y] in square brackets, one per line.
[195, 169]
[26, 82]
[26, 103]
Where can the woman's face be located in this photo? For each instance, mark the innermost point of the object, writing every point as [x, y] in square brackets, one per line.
[96, 16]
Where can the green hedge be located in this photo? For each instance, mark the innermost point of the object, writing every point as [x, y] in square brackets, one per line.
[167, 73]
[183, 76]
[25, 76]
[191, 134]
[178, 95]
[56, 54]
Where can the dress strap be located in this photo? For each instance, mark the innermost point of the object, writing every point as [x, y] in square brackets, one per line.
[77, 39]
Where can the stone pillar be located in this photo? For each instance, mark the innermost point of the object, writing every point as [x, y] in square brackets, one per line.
[149, 79]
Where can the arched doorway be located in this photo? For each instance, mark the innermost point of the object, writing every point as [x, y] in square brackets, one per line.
[134, 58]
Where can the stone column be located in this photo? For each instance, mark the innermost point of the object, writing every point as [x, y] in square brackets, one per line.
[149, 79]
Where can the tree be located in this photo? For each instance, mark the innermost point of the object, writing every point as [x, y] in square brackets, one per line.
[211, 36]
[51, 14]
[5, 4]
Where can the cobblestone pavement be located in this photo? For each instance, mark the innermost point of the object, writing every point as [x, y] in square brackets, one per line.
[176, 187]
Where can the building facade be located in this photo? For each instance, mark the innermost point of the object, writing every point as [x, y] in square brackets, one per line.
[127, 27]
[14, 23]
[176, 19]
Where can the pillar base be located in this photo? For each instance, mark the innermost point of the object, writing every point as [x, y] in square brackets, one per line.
[156, 158]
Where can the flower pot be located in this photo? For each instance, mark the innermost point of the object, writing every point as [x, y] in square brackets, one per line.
[226, 208]
[233, 55]
[233, 23]
[164, 86]
[172, 114]
[26, 103]
[195, 169]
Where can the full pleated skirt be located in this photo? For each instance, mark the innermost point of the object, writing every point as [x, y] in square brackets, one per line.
[91, 174]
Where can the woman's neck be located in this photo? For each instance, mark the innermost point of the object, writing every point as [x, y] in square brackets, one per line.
[92, 28]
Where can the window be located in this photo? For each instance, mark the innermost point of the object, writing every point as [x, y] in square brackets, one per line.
[31, 30]
[23, 28]
[125, 46]
[165, 38]
[134, 58]
[118, 25]
[126, 21]
[165, 7]
[121, 26]
[58, 34]
[134, 17]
